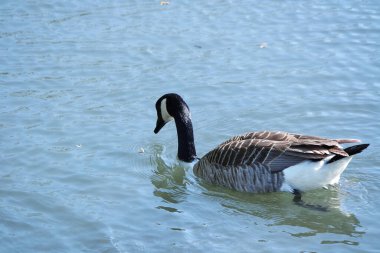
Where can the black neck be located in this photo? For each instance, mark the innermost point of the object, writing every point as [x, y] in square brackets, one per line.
[186, 147]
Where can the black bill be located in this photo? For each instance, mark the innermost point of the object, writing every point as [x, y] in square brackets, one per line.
[160, 123]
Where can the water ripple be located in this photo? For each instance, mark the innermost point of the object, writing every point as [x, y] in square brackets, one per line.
[81, 169]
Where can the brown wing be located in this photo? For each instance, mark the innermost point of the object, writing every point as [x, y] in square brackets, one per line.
[264, 135]
[277, 150]
[284, 136]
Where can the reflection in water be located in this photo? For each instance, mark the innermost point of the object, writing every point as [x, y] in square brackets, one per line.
[279, 210]
[169, 209]
[276, 209]
[169, 181]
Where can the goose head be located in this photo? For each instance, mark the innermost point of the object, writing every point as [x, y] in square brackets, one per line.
[169, 107]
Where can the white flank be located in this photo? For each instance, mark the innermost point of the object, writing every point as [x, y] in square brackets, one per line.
[164, 111]
[312, 175]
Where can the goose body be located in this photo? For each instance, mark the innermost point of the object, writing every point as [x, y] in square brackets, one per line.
[260, 161]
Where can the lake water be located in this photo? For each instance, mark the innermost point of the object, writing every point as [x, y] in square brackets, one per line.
[82, 171]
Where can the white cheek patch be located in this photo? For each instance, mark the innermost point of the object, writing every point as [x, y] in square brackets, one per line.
[164, 111]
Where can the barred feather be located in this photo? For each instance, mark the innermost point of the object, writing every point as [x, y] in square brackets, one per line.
[261, 157]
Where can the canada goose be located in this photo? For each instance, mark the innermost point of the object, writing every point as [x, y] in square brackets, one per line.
[259, 161]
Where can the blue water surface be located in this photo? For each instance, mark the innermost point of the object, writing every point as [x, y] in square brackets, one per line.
[82, 171]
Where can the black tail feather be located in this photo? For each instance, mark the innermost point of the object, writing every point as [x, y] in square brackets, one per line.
[353, 150]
